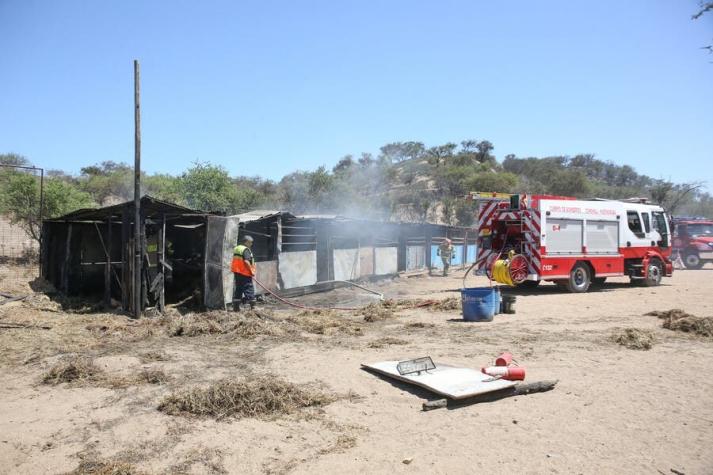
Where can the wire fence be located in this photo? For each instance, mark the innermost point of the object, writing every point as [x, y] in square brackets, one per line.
[21, 208]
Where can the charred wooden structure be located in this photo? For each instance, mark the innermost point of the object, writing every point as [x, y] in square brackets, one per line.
[90, 252]
[299, 254]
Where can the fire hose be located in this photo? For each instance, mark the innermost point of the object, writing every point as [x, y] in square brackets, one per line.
[307, 307]
[510, 271]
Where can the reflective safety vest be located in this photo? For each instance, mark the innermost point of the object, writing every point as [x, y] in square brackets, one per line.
[445, 251]
[240, 265]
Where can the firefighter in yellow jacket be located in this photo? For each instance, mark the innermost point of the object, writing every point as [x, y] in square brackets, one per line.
[243, 268]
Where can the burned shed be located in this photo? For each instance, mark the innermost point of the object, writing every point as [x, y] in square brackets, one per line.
[90, 252]
[296, 254]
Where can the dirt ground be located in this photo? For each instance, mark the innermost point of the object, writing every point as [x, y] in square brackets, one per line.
[614, 410]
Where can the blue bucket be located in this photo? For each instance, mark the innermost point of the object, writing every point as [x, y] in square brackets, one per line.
[480, 304]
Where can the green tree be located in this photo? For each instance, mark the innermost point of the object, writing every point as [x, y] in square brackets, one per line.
[14, 159]
[465, 212]
[107, 180]
[20, 200]
[164, 187]
[208, 187]
[489, 181]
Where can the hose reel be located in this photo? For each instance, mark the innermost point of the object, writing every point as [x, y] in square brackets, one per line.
[510, 271]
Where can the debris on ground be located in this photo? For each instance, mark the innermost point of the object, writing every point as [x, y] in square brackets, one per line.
[450, 303]
[387, 341]
[375, 312]
[678, 320]
[153, 376]
[104, 467]
[634, 338]
[73, 369]
[420, 325]
[521, 389]
[343, 443]
[702, 326]
[324, 322]
[673, 314]
[246, 325]
[262, 396]
[151, 356]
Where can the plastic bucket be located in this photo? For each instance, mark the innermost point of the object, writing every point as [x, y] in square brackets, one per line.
[508, 303]
[480, 304]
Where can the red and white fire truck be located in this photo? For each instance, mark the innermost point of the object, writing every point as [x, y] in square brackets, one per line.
[693, 241]
[574, 243]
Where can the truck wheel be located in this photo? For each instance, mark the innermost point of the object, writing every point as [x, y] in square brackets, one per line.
[654, 273]
[579, 278]
[692, 261]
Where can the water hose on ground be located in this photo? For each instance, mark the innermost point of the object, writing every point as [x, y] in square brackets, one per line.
[307, 307]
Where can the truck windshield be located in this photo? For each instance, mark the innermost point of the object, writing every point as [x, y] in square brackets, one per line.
[700, 229]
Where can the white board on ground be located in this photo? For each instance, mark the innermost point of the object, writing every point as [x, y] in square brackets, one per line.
[449, 381]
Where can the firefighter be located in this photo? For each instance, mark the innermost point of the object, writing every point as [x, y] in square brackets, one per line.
[243, 267]
[445, 250]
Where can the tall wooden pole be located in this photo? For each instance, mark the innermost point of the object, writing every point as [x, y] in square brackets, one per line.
[137, 194]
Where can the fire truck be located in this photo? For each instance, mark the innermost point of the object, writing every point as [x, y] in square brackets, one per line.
[523, 240]
[693, 241]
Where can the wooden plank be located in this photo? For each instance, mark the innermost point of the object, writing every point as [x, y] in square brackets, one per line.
[160, 264]
[107, 265]
[448, 381]
[126, 258]
[67, 261]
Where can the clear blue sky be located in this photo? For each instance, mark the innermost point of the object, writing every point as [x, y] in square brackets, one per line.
[266, 87]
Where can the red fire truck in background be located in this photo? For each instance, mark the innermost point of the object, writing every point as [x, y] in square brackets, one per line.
[574, 243]
[693, 241]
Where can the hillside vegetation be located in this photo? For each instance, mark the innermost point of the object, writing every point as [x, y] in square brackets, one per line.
[406, 181]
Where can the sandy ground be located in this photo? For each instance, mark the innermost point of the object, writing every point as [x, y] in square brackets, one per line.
[615, 410]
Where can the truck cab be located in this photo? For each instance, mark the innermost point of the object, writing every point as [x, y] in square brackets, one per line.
[693, 241]
[646, 242]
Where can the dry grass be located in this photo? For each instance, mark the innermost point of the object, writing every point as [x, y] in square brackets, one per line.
[246, 325]
[420, 325]
[255, 397]
[152, 376]
[151, 356]
[342, 444]
[386, 341]
[634, 338]
[674, 313]
[375, 312]
[325, 322]
[200, 460]
[73, 369]
[450, 303]
[701, 326]
[82, 370]
[678, 320]
[104, 467]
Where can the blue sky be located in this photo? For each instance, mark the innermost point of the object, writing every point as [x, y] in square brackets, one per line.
[264, 88]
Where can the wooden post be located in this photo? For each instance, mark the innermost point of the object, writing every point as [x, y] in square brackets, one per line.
[126, 276]
[161, 258]
[465, 249]
[428, 237]
[107, 266]
[67, 261]
[137, 194]
[278, 253]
